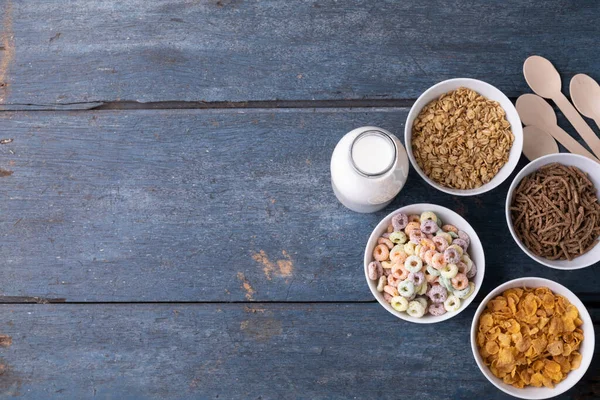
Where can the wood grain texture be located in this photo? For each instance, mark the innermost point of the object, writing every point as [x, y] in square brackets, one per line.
[238, 351]
[204, 205]
[230, 50]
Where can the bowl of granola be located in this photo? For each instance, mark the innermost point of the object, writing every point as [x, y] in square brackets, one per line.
[463, 136]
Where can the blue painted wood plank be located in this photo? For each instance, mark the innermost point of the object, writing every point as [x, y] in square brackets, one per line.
[209, 50]
[236, 351]
[203, 205]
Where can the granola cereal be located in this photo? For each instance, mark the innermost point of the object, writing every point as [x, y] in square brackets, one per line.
[462, 139]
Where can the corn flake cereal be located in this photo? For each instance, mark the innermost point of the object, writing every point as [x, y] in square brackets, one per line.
[530, 337]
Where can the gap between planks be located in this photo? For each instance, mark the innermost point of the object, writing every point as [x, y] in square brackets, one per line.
[38, 300]
[217, 105]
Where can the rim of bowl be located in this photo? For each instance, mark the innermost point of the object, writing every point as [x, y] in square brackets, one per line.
[428, 319]
[483, 188]
[539, 162]
[577, 303]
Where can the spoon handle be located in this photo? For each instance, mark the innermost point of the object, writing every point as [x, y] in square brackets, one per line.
[578, 123]
[570, 144]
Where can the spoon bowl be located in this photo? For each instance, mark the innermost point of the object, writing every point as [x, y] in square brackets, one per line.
[541, 76]
[585, 93]
[537, 143]
[536, 111]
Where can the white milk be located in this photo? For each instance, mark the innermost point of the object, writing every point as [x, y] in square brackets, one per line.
[369, 167]
[373, 153]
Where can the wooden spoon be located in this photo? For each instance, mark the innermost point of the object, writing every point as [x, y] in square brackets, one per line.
[585, 93]
[544, 80]
[535, 111]
[537, 143]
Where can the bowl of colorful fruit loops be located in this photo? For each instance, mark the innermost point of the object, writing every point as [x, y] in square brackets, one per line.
[424, 263]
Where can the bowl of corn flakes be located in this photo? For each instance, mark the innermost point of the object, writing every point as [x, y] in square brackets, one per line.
[532, 338]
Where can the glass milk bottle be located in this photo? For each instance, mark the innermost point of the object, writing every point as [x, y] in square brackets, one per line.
[369, 166]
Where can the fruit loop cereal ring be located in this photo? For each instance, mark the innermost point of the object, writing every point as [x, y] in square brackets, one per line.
[432, 271]
[460, 281]
[374, 270]
[406, 288]
[428, 215]
[430, 278]
[473, 271]
[440, 243]
[471, 289]
[422, 300]
[387, 271]
[438, 261]
[381, 284]
[463, 235]
[437, 294]
[414, 218]
[429, 226]
[428, 243]
[417, 278]
[449, 271]
[462, 267]
[451, 255]
[413, 264]
[458, 248]
[409, 248]
[453, 235]
[449, 228]
[461, 243]
[386, 235]
[422, 251]
[415, 309]
[397, 254]
[394, 279]
[387, 264]
[399, 303]
[381, 252]
[452, 303]
[400, 271]
[423, 289]
[462, 294]
[387, 297]
[398, 237]
[417, 250]
[428, 256]
[392, 291]
[445, 235]
[399, 222]
[437, 309]
[390, 228]
[412, 226]
[416, 236]
[445, 282]
[385, 241]
[467, 260]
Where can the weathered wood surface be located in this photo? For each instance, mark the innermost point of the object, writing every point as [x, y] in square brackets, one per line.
[237, 351]
[231, 50]
[203, 205]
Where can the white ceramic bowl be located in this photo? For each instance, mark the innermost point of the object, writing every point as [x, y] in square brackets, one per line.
[586, 165]
[487, 90]
[586, 349]
[448, 217]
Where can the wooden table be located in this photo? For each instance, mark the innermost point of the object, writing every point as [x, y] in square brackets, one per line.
[168, 225]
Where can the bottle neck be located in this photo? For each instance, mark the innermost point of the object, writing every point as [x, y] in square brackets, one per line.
[373, 153]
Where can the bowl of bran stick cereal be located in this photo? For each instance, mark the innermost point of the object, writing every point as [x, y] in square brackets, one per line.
[463, 136]
[553, 213]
